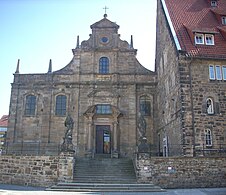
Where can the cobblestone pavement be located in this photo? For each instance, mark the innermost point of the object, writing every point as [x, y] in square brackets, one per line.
[22, 190]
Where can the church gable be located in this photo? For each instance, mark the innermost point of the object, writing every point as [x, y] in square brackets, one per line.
[104, 53]
[104, 23]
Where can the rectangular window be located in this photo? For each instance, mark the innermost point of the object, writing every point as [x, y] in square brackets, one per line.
[218, 72]
[209, 39]
[208, 138]
[61, 105]
[199, 39]
[103, 109]
[30, 105]
[224, 72]
[224, 20]
[211, 72]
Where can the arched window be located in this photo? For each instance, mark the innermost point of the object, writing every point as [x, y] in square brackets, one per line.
[209, 106]
[145, 105]
[208, 137]
[61, 104]
[30, 105]
[104, 65]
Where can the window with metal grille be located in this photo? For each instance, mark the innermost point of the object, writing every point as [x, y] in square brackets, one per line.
[104, 65]
[103, 109]
[208, 137]
[30, 105]
[61, 104]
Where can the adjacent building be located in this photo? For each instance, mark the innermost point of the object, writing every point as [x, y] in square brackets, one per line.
[3, 132]
[191, 68]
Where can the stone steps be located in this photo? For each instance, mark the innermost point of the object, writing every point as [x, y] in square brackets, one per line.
[104, 170]
[96, 187]
[104, 175]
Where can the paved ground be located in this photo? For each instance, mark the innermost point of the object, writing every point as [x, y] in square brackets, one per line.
[22, 190]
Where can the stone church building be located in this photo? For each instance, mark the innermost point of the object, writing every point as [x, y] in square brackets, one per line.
[104, 89]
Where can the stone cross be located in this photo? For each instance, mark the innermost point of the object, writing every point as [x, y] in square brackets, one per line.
[105, 8]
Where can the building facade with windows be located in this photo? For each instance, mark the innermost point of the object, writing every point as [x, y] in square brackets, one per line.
[103, 89]
[191, 68]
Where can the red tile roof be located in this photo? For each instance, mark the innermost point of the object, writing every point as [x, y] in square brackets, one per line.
[4, 121]
[190, 16]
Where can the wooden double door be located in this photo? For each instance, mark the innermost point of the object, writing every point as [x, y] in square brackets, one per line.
[103, 139]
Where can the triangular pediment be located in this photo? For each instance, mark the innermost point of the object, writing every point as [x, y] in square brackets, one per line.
[103, 93]
[104, 23]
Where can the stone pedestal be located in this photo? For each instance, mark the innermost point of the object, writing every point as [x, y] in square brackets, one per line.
[66, 166]
[67, 145]
[143, 146]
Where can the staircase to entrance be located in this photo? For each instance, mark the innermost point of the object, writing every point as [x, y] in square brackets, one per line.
[105, 174]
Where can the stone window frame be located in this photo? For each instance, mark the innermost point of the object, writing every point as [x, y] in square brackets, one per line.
[209, 106]
[104, 65]
[30, 105]
[214, 103]
[145, 105]
[61, 107]
[208, 138]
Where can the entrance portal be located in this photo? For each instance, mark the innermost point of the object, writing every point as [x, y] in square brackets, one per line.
[103, 139]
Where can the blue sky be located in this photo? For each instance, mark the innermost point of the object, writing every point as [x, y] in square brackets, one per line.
[35, 31]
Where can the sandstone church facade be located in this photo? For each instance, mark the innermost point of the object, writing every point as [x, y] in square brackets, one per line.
[104, 88]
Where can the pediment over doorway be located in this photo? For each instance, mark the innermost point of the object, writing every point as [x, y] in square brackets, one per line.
[91, 111]
[104, 93]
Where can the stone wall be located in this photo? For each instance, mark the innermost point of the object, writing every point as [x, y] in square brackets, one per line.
[36, 170]
[182, 172]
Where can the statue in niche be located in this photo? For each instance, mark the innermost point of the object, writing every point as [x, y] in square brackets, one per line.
[142, 125]
[67, 143]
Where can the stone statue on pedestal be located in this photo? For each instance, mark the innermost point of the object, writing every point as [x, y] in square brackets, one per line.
[67, 145]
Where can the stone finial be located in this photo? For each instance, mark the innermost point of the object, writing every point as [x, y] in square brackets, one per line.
[50, 66]
[18, 67]
[131, 42]
[77, 45]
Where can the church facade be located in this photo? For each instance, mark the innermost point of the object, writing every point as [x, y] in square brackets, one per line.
[103, 89]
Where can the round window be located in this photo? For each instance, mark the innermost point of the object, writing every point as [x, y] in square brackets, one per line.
[104, 39]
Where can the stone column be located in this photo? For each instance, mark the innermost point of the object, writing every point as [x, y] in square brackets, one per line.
[90, 139]
[115, 140]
